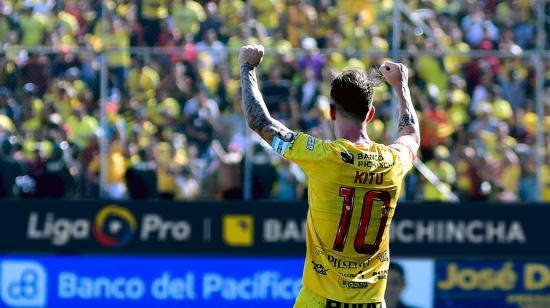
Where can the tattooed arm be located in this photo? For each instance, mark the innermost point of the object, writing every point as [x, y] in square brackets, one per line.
[254, 108]
[409, 132]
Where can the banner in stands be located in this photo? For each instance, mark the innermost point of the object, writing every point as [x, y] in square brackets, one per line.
[259, 228]
[492, 284]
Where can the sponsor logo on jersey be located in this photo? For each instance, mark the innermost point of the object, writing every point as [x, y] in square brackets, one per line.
[319, 268]
[335, 304]
[383, 256]
[382, 274]
[353, 284]
[339, 263]
[347, 157]
[310, 143]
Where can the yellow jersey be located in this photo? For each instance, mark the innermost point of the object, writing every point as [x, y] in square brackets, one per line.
[352, 193]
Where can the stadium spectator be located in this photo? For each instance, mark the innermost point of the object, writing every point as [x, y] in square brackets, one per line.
[187, 16]
[396, 285]
[276, 90]
[230, 180]
[142, 80]
[308, 91]
[501, 108]
[201, 106]
[11, 169]
[115, 181]
[141, 177]
[211, 46]
[58, 181]
[312, 59]
[8, 105]
[444, 171]
[212, 22]
[152, 14]
[166, 170]
[290, 181]
[188, 185]
[32, 26]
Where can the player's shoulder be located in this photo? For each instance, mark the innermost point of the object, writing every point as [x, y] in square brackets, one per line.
[370, 147]
[299, 145]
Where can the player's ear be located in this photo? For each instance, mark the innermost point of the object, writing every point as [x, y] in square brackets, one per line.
[332, 112]
[371, 113]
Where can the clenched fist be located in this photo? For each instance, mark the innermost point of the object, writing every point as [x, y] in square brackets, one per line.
[251, 54]
[396, 74]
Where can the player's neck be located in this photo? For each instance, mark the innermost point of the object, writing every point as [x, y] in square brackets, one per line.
[352, 131]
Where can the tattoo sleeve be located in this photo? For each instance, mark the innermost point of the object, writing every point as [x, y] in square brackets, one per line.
[404, 121]
[255, 110]
[409, 130]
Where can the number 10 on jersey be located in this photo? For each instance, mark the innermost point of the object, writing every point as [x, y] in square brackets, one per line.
[348, 193]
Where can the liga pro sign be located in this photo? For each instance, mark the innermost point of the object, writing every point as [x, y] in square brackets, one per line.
[113, 226]
[140, 227]
[89, 226]
[434, 230]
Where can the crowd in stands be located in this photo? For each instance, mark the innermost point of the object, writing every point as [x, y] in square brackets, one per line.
[174, 122]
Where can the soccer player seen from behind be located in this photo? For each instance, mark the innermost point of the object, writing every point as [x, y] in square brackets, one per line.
[353, 183]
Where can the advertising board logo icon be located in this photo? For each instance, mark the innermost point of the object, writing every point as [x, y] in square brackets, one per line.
[114, 226]
[23, 284]
[238, 230]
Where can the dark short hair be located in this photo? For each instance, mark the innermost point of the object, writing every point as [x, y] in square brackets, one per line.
[351, 91]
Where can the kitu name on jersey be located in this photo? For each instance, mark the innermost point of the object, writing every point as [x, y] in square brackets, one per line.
[362, 177]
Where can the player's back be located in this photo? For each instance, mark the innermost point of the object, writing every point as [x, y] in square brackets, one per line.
[353, 190]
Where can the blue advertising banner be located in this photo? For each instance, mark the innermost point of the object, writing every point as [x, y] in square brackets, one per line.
[517, 283]
[148, 282]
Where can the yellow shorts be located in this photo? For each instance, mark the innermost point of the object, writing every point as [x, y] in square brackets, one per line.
[307, 299]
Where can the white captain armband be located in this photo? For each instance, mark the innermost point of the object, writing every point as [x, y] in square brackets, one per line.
[280, 146]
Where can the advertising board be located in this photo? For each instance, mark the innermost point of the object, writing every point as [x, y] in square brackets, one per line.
[481, 283]
[71, 281]
[259, 229]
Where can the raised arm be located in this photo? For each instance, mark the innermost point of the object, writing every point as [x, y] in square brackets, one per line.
[397, 76]
[254, 108]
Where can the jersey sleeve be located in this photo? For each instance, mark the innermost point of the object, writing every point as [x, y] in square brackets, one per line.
[302, 149]
[405, 155]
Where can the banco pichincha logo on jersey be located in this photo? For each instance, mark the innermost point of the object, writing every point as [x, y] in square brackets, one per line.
[347, 157]
[23, 284]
